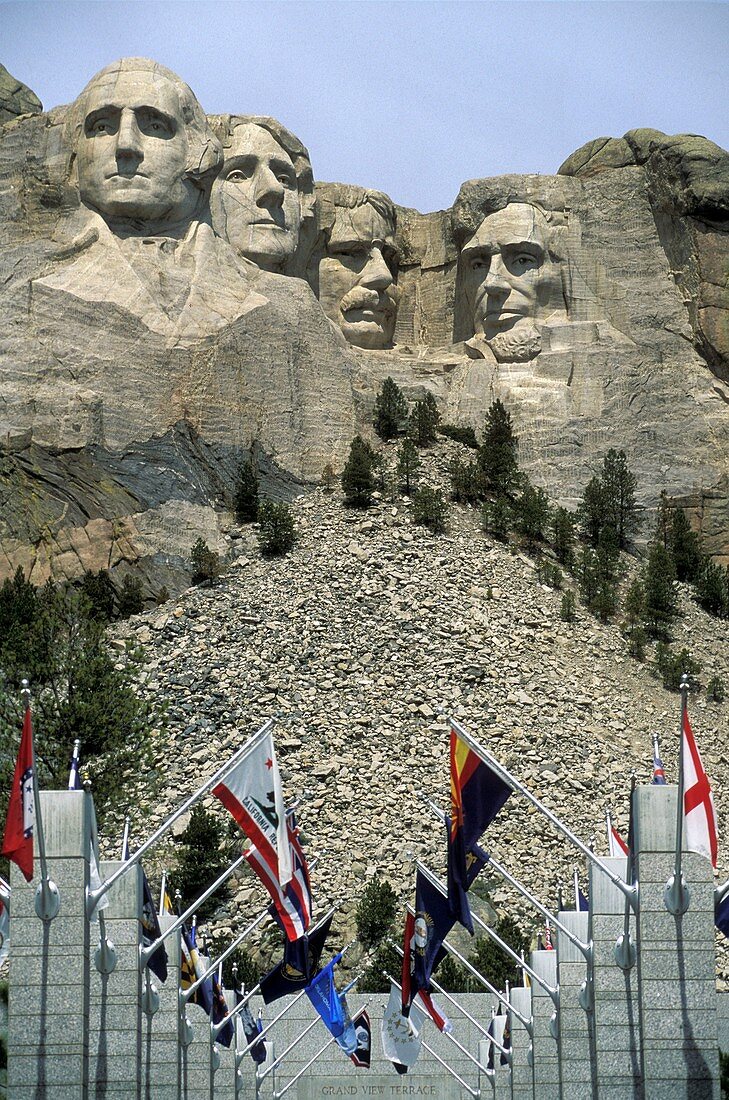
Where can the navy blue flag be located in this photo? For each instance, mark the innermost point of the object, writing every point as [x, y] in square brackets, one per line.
[220, 1011]
[323, 995]
[193, 967]
[583, 904]
[721, 916]
[492, 1048]
[299, 964]
[433, 922]
[506, 1042]
[151, 932]
[462, 870]
[252, 1028]
[363, 1031]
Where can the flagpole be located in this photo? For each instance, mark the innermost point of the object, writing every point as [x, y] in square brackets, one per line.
[186, 994]
[629, 891]
[47, 898]
[285, 1089]
[487, 984]
[676, 895]
[73, 772]
[448, 1034]
[125, 838]
[93, 897]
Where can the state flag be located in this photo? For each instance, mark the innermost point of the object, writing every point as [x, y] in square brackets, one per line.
[721, 915]
[192, 967]
[220, 1012]
[20, 819]
[363, 1030]
[432, 923]
[659, 774]
[299, 964]
[698, 801]
[401, 1035]
[74, 778]
[251, 1028]
[252, 793]
[323, 995]
[616, 844]
[460, 880]
[151, 932]
[292, 904]
[348, 1039]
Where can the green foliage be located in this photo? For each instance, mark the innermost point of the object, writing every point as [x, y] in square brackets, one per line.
[50, 637]
[455, 978]
[637, 639]
[248, 973]
[563, 527]
[205, 563]
[328, 477]
[99, 591]
[375, 914]
[460, 433]
[467, 482]
[685, 547]
[661, 600]
[430, 510]
[497, 455]
[568, 609]
[609, 501]
[716, 690]
[385, 958]
[672, 667]
[632, 628]
[162, 596]
[550, 574]
[424, 421]
[532, 513]
[200, 860]
[496, 517]
[391, 410]
[492, 962]
[407, 464]
[591, 511]
[245, 499]
[358, 481]
[277, 533]
[131, 600]
[712, 588]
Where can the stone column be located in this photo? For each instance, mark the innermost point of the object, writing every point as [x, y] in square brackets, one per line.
[160, 1051]
[522, 1068]
[546, 1046]
[676, 959]
[195, 1057]
[617, 1009]
[576, 1037]
[500, 1083]
[115, 1033]
[48, 1018]
[222, 1079]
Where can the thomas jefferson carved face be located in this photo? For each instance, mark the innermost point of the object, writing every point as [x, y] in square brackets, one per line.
[133, 146]
[357, 276]
[510, 279]
[255, 200]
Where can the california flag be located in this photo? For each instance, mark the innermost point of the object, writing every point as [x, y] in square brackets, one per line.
[252, 792]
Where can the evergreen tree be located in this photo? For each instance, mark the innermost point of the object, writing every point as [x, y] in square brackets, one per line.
[424, 420]
[684, 546]
[277, 532]
[664, 520]
[205, 563]
[407, 464]
[246, 494]
[532, 513]
[661, 603]
[358, 482]
[391, 410]
[496, 518]
[328, 477]
[498, 454]
[375, 914]
[588, 575]
[567, 610]
[201, 859]
[618, 486]
[466, 481]
[131, 599]
[99, 591]
[712, 589]
[592, 510]
[429, 509]
[563, 524]
[495, 965]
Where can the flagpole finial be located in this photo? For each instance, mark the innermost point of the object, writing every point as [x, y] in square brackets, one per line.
[25, 692]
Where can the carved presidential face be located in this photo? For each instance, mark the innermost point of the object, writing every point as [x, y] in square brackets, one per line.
[133, 147]
[255, 200]
[509, 277]
[357, 276]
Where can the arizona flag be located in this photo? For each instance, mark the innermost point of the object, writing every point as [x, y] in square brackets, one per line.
[698, 801]
[18, 841]
[251, 791]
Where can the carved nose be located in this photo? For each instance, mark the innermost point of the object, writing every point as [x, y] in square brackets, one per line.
[376, 274]
[269, 190]
[128, 142]
[496, 281]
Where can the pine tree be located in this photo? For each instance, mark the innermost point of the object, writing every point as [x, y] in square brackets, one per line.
[664, 520]
[407, 464]
[277, 533]
[131, 599]
[205, 563]
[424, 420]
[391, 410]
[592, 510]
[99, 590]
[563, 524]
[618, 486]
[246, 494]
[498, 454]
[496, 518]
[429, 510]
[358, 482]
[685, 548]
[661, 604]
[712, 589]
[328, 477]
[532, 512]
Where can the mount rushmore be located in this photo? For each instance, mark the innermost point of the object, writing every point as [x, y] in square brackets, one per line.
[176, 292]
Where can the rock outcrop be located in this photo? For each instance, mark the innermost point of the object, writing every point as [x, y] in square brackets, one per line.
[16, 98]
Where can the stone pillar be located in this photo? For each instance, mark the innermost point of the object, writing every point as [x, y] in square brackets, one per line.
[676, 959]
[195, 1057]
[222, 1080]
[546, 1046]
[617, 1009]
[500, 1083]
[160, 1051]
[522, 1068]
[48, 1018]
[576, 1036]
[115, 1013]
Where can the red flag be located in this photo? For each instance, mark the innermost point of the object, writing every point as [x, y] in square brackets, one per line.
[18, 841]
[698, 801]
[406, 980]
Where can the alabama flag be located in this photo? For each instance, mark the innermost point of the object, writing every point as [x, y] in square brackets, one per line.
[251, 791]
[698, 801]
[18, 841]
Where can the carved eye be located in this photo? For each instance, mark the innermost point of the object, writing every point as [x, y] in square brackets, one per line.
[237, 175]
[102, 126]
[479, 263]
[523, 261]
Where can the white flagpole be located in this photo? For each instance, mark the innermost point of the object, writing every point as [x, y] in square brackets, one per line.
[501, 997]
[448, 1034]
[125, 839]
[74, 760]
[576, 884]
[676, 895]
[186, 994]
[162, 892]
[47, 898]
[250, 746]
[629, 891]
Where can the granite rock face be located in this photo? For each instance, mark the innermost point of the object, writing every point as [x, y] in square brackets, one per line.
[16, 98]
[148, 343]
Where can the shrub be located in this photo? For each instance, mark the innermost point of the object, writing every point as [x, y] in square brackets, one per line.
[245, 500]
[391, 410]
[496, 517]
[424, 420]
[715, 690]
[358, 482]
[328, 477]
[497, 455]
[712, 589]
[460, 433]
[672, 667]
[429, 510]
[532, 513]
[567, 610]
[131, 600]
[205, 563]
[277, 532]
[200, 860]
[466, 481]
[407, 464]
[162, 596]
[550, 574]
[375, 914]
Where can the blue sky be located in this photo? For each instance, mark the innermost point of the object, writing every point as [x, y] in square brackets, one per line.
[409, 97]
